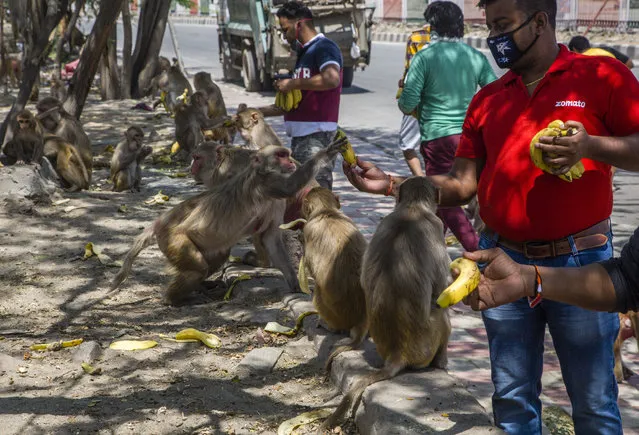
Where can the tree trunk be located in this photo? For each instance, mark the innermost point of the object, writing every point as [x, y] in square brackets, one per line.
[127, 45]
[44, 17]
[151, 27]
[109, 76]
[90, 57]
[79, 4]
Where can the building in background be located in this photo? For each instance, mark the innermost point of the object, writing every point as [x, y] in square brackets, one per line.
[198, 7]
[620, 14]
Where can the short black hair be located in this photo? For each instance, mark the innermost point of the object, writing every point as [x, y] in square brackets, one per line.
[579, 43]
[445, 18]
[531, 6]
[294, 10]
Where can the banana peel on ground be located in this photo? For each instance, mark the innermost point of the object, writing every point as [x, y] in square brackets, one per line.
[555, 129]
[91, 250]
[159, 198]
[90, 370]
[288, 427]
[56, 346]
[133, 344]
[209, 340]
[276, 328]
[229, 292]
[465, 283]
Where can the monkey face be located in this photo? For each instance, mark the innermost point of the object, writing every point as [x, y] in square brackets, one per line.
[25, 123]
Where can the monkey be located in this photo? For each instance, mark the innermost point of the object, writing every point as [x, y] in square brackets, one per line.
[254, 129]
[58, 122]
[333, 252]
[404, 269]
[203, 83]
[622, 372]
[173, 83]
[68, 163]
[163, 65]
[190, 119]
[196, 236]
[125, 163]
[27, 145]
[11, 70]
[58, 90]
[214, 163]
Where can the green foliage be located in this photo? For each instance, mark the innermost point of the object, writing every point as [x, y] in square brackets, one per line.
[185, 3]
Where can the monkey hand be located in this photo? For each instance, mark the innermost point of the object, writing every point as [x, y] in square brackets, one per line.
[336, 146]
[367, 177]
[503, 281]
[20, 162]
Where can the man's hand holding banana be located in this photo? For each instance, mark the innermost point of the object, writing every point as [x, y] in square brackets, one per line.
[285, 85]
[564, 152]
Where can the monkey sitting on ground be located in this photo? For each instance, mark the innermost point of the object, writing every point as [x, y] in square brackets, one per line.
[333, 252]
[58, 122]
[196, 236]
[27, 145]
[67, 162]
[405, 268]
[622, 372]
[173, 83]
[254, 129]
[125, 163]
[204, 83]
[163, 65]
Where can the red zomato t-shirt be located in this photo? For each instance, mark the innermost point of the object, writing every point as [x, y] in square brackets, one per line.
[518, 200]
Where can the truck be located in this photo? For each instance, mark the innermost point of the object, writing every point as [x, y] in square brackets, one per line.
[253, 49]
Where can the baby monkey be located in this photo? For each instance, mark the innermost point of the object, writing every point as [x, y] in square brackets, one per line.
[126, 172]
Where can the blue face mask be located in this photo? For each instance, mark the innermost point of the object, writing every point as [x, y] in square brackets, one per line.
[505, 50]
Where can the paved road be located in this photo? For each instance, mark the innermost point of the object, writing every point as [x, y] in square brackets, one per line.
[368, 106]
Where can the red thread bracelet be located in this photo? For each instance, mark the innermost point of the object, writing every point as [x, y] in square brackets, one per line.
[389, 191]
[534, 301]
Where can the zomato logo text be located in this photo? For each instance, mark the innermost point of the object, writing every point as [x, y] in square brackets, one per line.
[569, 103]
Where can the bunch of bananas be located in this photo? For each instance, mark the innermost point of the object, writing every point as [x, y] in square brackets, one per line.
[288, 101]
[347, 151]
[537, 156]
[466, 282]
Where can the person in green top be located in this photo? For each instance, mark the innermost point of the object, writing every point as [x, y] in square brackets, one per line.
[441, 81]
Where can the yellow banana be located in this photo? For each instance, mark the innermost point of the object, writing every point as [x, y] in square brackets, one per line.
[465, 284]
[278, 100]
[210, 340]
[297, 98]
[289, 102]
[347, 151]
[555, 128]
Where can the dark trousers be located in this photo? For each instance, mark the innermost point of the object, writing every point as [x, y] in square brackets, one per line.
[438, 157]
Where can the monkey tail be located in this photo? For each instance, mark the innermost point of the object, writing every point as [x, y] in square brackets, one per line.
[141, 242]
[356, 341]
[354, 395]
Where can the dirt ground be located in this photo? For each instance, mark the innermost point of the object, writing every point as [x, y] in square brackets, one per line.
[49, 293]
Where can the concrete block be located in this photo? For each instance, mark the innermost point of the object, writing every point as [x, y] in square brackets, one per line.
[429, 401]
[259, 361]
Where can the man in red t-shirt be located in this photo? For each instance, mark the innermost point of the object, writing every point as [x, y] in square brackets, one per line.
[535, 217]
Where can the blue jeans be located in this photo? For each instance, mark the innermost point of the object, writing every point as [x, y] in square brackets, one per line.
[583, 341]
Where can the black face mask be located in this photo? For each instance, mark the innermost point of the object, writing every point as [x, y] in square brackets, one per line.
[505, 50]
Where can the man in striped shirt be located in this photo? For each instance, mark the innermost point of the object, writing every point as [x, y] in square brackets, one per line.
[409, 134]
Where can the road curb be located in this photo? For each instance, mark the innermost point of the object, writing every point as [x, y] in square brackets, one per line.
[415, 402]
[630, 50]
